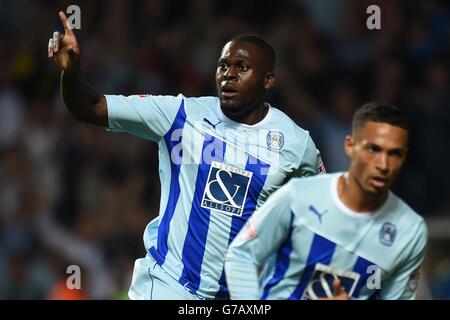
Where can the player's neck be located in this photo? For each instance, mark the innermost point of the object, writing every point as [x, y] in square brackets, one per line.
[356, 198]
[251, 118]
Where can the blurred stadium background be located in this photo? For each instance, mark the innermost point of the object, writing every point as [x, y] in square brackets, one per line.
[72, 194]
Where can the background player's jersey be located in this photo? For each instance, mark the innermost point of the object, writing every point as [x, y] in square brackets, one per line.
[214, 172]
[317, 238]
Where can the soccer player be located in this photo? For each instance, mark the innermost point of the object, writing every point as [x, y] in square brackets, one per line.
[220, 158]
[337, 236]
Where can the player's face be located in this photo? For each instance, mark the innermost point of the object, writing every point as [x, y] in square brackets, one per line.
[377, 153]
[242, 78]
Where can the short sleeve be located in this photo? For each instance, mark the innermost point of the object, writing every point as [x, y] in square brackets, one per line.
[311, 163]
[146, 116]
[402, 285]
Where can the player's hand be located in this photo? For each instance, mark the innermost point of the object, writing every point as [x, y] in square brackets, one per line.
[339, 292]
[63, 48]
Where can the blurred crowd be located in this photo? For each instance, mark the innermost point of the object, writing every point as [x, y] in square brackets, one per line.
[73, 194]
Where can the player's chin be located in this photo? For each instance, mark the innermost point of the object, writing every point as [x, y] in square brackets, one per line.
[230, 105]
[376, 190]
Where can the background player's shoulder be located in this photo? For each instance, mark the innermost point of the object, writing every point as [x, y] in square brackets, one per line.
[407, 216]
[306, 189]
[317, 184]
[406, 210]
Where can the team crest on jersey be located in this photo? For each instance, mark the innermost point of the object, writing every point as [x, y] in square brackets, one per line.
[387, 234]
[226, 188]
[321, 283]
[275, 140]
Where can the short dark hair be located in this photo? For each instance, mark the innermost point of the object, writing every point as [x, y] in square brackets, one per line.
[378, 113]
[262, 44]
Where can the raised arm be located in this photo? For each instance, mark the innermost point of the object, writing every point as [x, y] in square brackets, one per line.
[81, 99]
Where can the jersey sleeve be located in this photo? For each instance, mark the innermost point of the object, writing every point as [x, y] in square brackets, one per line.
[145, 116]
[260, 237]
[311, 163]
[402, 285]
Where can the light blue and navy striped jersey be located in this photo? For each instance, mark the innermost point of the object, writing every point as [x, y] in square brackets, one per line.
[214, 173]
[316, 239]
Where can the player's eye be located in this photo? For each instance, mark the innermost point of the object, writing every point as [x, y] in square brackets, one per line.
[396, 153]
[223, 66]
[243, 68]
[373, 148]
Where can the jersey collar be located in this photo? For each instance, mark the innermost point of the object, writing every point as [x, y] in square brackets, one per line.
[224, 118]
[346, 210]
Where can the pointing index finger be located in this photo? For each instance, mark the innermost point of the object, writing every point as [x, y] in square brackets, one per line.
[65, 22]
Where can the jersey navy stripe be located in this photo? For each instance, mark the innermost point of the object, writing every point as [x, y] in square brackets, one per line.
[259, 170]
[195, 241]
[321, 251]
[223, 293]
[360, 267]
[282, 263]
[174, 194]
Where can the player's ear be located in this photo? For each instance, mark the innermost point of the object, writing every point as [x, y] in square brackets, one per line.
[269, 81]
[348, 145]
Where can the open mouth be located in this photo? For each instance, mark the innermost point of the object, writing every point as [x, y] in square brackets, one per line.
[379, 182]
[228, 91]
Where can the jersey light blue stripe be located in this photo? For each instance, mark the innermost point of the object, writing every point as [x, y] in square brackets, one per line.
[195, 241]
[174, 194]
[321, 251]
[282, 263]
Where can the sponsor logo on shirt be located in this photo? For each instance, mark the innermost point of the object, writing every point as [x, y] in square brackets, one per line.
[317, 213]
[226, 189]
[210, 123]
[321, 283]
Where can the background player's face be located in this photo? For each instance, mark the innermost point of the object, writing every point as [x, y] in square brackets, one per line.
[377, 153]
[242, 78]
